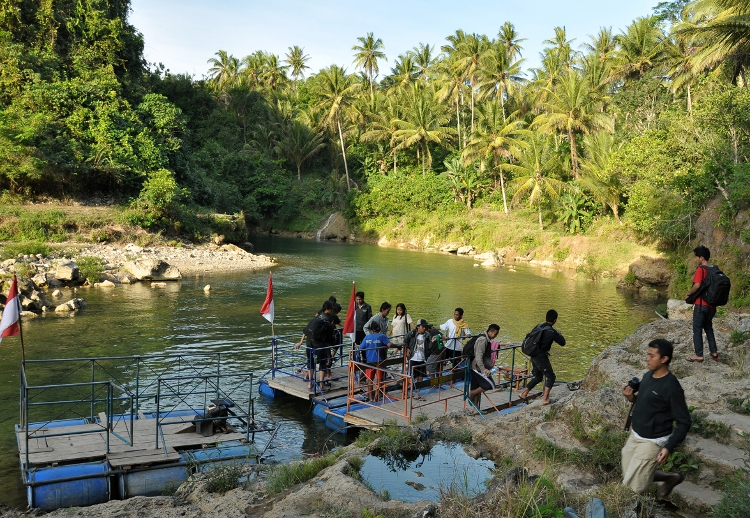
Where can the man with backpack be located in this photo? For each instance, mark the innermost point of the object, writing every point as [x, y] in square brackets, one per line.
[537, 345]
[480, 356]
[320, 336]
[703, 311]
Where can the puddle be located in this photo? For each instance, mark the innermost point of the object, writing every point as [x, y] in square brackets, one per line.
[409, 478]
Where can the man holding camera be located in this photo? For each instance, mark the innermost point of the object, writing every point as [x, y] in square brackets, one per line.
[659, 402]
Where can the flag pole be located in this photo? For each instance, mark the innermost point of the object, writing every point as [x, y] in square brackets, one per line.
[20, 327]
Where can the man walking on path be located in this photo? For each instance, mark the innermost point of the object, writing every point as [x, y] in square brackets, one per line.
[659, 402]
[481, 380]
[542, 368]
[703, 312]
[457, 328]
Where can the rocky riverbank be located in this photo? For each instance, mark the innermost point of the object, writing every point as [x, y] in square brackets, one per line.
[569, 450]
[40, 277]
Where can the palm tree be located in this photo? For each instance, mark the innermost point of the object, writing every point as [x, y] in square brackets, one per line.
[274, 74]
[534, 170]
[296, 61]
[508, 38]
[723, 27]
[468, 64]
[336, 91]
[423, 123]
[253, 67]
[299, 144]
[466, 182]
[424, 60]
[451, 86]
[223, 69]
[404, 71]
[603, 45]
[596, 177]
[571, 108]
[500, 75]
[383, 127]
[368, 54]
[640, 48]
[497, 139]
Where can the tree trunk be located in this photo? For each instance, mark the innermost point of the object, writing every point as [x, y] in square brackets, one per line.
[616, 211]
[573, 152]
[370, 71]
[689, 101]
[458, 123]
[471, 83]
[394, 164]
[541, 227]
[343, 153]
[299, 174]
[502, 188]
[502, 101]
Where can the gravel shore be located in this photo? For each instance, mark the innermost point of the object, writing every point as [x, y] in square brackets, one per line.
[189, 259]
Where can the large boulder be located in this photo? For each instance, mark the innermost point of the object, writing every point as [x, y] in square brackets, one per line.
[71, 305]
[652, 271]
[146, 269]
[66, 270]
[679, 310]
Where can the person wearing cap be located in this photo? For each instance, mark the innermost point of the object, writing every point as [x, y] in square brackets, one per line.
[420, 345]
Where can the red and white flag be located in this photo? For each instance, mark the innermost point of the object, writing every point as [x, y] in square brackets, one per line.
[9, 322]
[266, 310]
[349, 320]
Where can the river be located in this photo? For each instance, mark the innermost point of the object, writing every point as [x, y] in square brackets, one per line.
[182, 318]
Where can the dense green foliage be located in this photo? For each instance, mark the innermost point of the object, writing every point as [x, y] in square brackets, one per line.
[644, 126]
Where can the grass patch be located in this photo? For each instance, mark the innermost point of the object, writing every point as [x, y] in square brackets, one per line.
[707, 428]
[11, 250]
[390, 439]
[285, 476]
[353, 467]
[223, 478]
[737, 337]
[90, 268]
[735, 500]
[459, 435]
[739, 405]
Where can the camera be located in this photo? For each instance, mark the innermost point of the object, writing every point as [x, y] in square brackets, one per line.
[635, 384]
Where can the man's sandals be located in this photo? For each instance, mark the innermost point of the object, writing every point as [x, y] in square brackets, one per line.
[695, 359]
[666, 488]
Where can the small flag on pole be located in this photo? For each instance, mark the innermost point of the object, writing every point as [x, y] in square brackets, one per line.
[350, 312]
[9, 322]
[266, 310]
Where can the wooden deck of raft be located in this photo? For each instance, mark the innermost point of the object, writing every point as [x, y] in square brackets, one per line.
[435, 405]
[73, 446]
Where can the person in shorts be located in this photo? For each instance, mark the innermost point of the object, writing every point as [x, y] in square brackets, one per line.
[658, 403]
[374, 347]
[481, 363]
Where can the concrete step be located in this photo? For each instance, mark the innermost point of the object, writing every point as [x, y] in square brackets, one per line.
[727, 457]
[740, 425]
[697, 496]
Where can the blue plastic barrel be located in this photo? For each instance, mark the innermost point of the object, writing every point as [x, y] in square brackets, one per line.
[47, 489]
[228, 453]
[153, 481]
[265, 390]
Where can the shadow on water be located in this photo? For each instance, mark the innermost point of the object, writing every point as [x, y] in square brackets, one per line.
[416, 476]
[183, 319]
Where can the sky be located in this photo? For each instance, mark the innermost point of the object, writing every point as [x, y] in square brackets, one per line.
[184, 34]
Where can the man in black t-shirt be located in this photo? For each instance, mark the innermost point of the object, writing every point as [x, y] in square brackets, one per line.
[542, 368]
[660, 401]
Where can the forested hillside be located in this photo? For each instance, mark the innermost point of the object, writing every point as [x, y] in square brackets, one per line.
[639, 125]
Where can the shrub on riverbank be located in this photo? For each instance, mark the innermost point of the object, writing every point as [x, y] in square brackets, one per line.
[284, 476]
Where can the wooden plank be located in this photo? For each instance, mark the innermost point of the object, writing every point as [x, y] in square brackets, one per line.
[142, 457]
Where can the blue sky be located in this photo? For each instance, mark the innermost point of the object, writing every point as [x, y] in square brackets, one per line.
[184, 34]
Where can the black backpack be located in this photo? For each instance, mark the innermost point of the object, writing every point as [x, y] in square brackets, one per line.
[318, 330]
[715, 287]
[468, 349]
[531, 345]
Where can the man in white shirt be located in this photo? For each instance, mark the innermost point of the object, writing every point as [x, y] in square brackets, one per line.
[456, 328]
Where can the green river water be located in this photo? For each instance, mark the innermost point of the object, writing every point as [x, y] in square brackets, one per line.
[182, 318]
